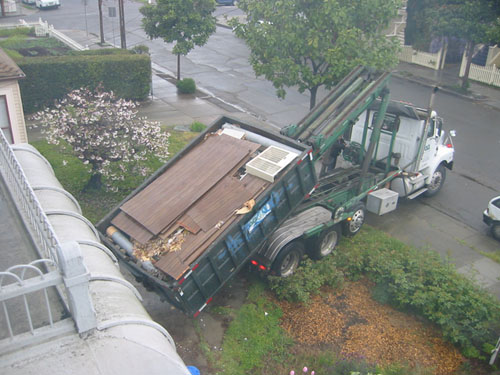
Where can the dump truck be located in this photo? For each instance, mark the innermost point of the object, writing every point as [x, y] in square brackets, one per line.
[241, 195]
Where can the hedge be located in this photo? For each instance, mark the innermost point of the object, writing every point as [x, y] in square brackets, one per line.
[50, 78]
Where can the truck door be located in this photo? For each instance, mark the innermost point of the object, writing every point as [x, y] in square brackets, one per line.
[431, 145]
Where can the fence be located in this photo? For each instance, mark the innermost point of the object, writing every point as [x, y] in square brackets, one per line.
[429, 60]
[486, 74]
[60, 266]
[42, 28]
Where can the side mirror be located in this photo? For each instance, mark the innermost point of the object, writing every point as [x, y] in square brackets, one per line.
[453, 133]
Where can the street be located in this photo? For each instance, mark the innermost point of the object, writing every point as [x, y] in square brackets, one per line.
[221, 67]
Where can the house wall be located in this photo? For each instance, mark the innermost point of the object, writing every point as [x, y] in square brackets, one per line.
[11, 90]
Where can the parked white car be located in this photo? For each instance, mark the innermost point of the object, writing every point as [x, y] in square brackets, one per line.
[491, 216]
[47, 4]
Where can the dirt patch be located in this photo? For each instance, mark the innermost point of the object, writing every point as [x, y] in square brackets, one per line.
[352, 323]
[42, 51]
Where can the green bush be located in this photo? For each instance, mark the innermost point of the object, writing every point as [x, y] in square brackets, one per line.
[186, 86]
[140, 49]
[100, 52]
[421, 282]
[307, 280]
[50, 78]
[197, 127]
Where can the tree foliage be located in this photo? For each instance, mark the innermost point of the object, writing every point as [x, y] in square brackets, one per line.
[309, 43]
[187, 23]
[105, 133]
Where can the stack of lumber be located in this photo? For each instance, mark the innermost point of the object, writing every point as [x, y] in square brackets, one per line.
[176, 217]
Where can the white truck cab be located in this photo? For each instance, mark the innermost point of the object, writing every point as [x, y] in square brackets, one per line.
[421, 175]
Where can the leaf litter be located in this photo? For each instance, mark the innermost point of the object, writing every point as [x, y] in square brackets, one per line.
[354, 324]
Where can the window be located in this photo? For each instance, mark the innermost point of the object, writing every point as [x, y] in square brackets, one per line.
[4, 120]
[390, 123]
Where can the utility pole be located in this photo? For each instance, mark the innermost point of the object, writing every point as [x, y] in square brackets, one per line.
[101, 26]
[122, 24]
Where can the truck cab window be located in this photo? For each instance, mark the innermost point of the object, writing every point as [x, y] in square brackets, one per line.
[432, 128]
[390, 123]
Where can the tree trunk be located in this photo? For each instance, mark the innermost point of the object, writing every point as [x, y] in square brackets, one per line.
[465, 78]
[312, 101]
[95, 183]
[178, 67]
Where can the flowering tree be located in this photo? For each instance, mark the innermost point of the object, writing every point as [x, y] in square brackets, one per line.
[105, 133]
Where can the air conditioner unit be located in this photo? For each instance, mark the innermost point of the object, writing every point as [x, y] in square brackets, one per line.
[270, 162]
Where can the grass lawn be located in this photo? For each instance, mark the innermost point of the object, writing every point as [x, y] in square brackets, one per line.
[21, 42]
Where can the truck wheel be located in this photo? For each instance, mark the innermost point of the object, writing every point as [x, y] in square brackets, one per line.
[495, 231]
[437, 181]
[288, 258]
[325, 243]
[353, 226]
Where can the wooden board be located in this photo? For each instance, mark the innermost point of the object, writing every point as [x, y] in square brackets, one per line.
[175, 264]
[131, 227]
[160, 204]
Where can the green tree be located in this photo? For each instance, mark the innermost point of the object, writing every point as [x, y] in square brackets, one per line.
[470, 20]
[188, 23]
[310, 43]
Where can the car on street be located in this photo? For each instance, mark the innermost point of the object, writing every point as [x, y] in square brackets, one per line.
[491, 216]
[47, 4]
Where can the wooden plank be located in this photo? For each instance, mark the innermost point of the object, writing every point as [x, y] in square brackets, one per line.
[187, 222]
[222, 200]
[159, 204]
[131, 227]
[175, 264]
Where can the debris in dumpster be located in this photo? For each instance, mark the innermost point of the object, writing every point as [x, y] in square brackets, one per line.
[159, 246]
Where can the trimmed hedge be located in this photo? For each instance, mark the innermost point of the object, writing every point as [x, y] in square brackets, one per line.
[50, 78]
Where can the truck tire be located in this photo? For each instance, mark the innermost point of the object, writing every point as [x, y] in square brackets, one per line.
[352, 227]
[495, 231]
[288, 258]
[437, 181]
[324, 244]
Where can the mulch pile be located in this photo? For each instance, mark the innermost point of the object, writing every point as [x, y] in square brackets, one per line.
[350, 320]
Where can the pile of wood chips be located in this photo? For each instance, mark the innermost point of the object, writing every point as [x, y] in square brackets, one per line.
[352, 321]
[159, 246]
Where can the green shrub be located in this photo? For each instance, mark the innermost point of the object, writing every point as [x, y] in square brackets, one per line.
[50, 78]
[140, 49]
[307, 280]
[186, 86]
[100, 52]
[421, 282]
[197, 127]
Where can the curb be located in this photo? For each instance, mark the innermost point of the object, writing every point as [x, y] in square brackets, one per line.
[426, 83]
